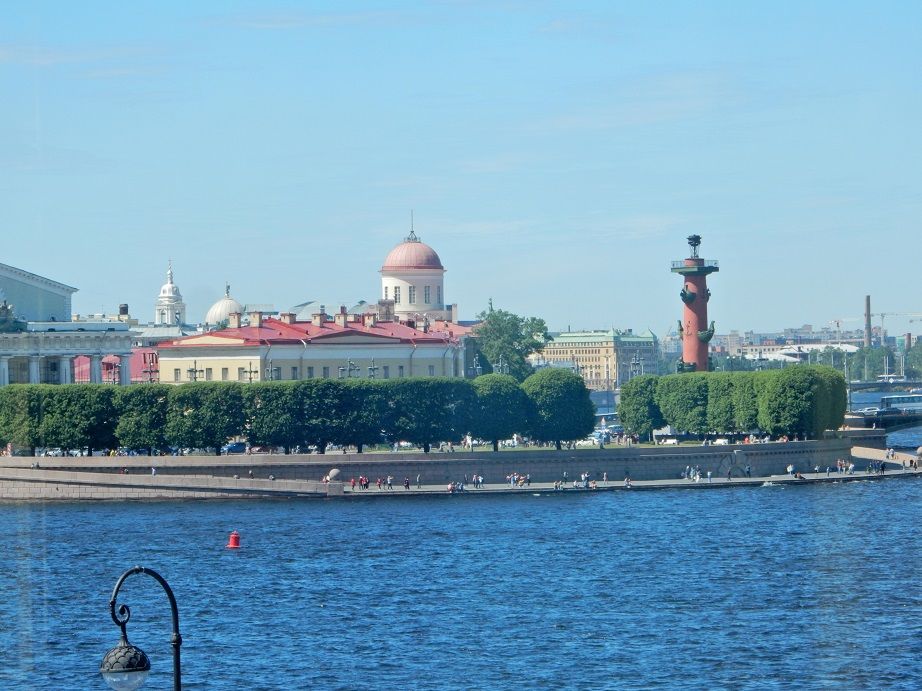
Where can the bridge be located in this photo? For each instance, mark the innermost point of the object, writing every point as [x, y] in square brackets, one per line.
[888, 420]
[884, 386]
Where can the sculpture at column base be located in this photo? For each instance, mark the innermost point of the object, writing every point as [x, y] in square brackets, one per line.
[682, 366]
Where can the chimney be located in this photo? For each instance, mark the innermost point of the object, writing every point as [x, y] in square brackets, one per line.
[318, 318]
[867, 322]
[123, 310]
[287, 317]
[341, 317]
[233, 320]
[370, 319]
[256, 319]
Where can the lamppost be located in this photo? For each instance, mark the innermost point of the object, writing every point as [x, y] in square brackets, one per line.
[475, 370]
[270, 373]
[372, 369]
[126, 666]
[349, 368]
[114, 372]
[502, 367]
[636, 365]
[151, 369]
[194, 372]
[250, 372]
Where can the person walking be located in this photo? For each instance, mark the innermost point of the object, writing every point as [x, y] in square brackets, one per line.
[418, 483]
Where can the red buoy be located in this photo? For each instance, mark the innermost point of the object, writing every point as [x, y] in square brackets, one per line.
[233, 542]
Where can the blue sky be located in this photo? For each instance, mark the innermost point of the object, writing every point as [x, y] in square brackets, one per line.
[556, 154]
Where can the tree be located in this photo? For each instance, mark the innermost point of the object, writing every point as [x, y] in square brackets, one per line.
[142, 415]
[745, 401]
[787, 401]
[832, 400]
[272, 410]
[503, 337]
[502, 408]
[363, 411]
[637, 410]
[21, 415]
[720, 414]
[914, 360]
[323, 409]
[683, 398]
[428, 410]
[79, 416]
[562, 408]
[204, 414]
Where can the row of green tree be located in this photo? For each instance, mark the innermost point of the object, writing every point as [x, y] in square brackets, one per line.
[550, 405]
[797, 400]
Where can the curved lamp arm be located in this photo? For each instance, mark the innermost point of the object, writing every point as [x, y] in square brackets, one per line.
[123, 614]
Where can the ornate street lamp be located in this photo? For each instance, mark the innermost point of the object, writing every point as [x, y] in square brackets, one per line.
[126, 666]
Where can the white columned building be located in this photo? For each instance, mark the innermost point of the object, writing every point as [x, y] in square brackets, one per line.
[413, 278]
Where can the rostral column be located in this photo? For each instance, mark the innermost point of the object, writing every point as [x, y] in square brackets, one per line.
[694, 329]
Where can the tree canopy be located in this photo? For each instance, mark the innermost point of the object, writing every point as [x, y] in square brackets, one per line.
[562, 408]
[502, 408]
[505, 340]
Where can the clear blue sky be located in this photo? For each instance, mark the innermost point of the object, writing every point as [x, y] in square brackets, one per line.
[556, 154]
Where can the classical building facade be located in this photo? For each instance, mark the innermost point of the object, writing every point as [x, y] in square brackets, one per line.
[38, 342]
[335, 346]
[604, 359]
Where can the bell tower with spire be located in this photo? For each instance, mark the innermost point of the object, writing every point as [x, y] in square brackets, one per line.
[693, 328]
[169, 309]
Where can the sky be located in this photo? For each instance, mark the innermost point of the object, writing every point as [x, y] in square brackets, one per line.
[556, 155]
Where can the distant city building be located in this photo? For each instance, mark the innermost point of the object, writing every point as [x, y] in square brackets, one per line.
[604, 359]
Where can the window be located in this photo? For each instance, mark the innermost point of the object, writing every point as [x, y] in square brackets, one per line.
[241, 374]
[175, 375]
[426, 294]
[224, 374]
[412, 292]
[326, 372]
[208, 376]
[396, 295]
[275, 374]
[438, 295]
[310, 372]
[431, 370]
[399, 370]
[386, 371]
[385, 292]
[294, 373]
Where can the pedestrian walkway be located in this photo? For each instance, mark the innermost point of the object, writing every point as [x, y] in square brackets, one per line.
[893, 471]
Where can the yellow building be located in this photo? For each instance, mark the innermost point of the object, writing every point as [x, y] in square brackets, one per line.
[330, 347]
[604, 359]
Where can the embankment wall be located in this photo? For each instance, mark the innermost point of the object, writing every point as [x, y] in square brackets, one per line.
[229, 476]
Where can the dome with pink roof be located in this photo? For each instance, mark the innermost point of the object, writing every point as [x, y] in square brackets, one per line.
[412, 254]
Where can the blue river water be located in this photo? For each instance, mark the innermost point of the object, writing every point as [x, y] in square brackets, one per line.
[815, 586]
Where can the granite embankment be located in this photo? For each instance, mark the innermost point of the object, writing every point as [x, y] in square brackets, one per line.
[131, 477]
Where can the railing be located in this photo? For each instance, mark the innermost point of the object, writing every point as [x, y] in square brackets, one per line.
[701, 262]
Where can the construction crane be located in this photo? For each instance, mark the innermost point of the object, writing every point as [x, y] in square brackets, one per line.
[882, 315]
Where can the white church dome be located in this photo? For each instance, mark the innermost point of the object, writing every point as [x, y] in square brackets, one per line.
[223, 308]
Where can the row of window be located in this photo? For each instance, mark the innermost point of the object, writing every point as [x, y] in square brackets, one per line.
[411, 290]
[244, 374]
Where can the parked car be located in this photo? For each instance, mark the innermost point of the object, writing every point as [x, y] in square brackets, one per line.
[234, 447]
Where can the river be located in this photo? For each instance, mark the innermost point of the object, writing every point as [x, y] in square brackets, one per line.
[747, 588]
